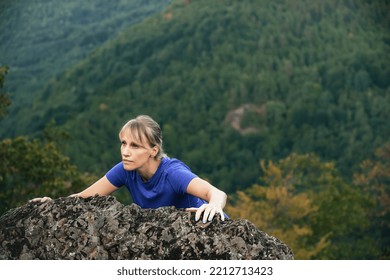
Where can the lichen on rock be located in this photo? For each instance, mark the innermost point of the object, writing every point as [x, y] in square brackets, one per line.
[103, 228]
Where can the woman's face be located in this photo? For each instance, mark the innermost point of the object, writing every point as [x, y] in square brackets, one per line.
[135, 154]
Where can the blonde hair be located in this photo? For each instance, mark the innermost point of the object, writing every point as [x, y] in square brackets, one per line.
[143, 128]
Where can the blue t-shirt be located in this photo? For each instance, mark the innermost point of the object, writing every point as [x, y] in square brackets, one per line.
[167, 187]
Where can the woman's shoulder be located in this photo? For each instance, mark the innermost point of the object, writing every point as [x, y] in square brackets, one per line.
[177, 174]
[171, 164]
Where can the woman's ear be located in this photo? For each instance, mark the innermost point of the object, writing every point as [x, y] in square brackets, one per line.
[154, 152]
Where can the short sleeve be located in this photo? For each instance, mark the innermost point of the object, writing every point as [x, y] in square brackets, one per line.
[117, 175]
[179, 178]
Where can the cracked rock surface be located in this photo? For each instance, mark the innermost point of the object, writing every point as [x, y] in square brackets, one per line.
[103, 228]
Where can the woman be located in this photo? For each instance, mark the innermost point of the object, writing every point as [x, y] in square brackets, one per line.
[153, 179]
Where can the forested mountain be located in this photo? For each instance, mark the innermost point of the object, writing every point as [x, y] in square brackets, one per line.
[39, 39]
[301, 87]
[232, 82]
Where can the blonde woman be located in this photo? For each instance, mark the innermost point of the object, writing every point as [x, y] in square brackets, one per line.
[153, 179]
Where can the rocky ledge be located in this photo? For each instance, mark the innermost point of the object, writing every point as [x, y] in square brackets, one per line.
[103, 228]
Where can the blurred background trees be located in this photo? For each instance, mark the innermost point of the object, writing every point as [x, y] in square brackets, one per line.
[35, 168]
[300, 86]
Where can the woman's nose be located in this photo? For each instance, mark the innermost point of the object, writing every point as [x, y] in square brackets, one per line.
[126, 151]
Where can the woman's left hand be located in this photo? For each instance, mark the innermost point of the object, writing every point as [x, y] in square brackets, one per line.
[208, 210]
[215, 197]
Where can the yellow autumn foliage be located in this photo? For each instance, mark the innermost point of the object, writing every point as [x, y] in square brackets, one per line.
[279, 211]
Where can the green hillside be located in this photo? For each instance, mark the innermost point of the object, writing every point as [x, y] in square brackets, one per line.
[233, 82]
[39, 39]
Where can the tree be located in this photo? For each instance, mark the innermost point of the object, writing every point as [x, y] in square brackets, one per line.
[4, 99]
[306, 203]
[342, 212]
[280, 211]
[31, 168]
[374, 179]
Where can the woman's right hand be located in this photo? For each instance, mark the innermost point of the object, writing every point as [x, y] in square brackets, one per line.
[40, 199]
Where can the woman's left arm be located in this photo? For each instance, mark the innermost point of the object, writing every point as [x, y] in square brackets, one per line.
[216, 199]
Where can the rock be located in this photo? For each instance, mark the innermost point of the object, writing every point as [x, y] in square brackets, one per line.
[103, 228]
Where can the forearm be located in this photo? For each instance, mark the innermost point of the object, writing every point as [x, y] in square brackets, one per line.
[82, 194]
[88, 192]
[101, 187]
[216, 197]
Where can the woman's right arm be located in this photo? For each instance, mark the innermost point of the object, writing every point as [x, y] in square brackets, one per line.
[101, 187]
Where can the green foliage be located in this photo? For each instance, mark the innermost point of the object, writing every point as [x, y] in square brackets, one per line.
[342, 213]
[373, 178]
[230, 82]
[31, 168]
[280, 211]
[307, 204]
[314, 70]
[4, 99]
[41, 38]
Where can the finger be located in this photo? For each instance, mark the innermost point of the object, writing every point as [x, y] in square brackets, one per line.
[222, 215]
[199, 212]
[206, 214]
[212, 214]
[192, 209]
[40, 199]
[46, 198]
[35, 200]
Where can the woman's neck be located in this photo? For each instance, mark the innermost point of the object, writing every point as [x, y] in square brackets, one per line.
[149, 169]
